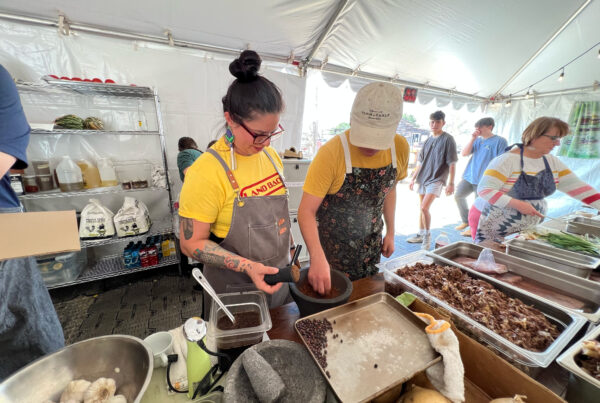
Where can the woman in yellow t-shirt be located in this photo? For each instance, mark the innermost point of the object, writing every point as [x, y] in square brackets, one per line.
[233, 206]
[350, 185]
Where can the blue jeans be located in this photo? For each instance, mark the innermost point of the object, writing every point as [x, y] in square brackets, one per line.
[29, 326]
[463, 190]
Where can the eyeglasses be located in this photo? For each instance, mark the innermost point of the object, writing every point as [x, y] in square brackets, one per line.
[262, 138]
[553, 138]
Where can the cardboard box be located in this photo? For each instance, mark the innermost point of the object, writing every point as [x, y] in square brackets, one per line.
[488, 372]
[487, 375]
[38, 233]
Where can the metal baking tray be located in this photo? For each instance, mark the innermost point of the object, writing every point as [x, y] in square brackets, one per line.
[582, 387]
[582, 290]
[583, 226]
[569, 321]
[574, 263]
[373, 330]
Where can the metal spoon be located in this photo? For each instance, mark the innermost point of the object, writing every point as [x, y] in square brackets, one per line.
[197, 274]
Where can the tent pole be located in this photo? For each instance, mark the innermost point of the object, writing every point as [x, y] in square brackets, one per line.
[544, 46]
[420, 86]
[588, 88]
[140, 37]
[334, 18]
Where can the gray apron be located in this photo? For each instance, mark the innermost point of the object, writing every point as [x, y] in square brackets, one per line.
[259, 231]
[29, 326]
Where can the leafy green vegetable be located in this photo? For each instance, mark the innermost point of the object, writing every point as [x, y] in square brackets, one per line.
[572, 242]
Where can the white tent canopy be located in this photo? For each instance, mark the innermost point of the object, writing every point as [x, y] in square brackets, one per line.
[478, 48]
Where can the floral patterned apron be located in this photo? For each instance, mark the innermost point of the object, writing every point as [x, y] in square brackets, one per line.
[350, 221]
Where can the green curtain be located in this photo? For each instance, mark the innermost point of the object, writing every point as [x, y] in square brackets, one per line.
[584, 140]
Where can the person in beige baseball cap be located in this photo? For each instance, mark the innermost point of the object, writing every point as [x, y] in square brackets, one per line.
[350, 185]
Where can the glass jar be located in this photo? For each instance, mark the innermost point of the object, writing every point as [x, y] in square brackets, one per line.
[44, 182]
[31, 185]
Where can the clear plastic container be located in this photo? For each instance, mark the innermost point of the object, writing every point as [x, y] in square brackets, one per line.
[108, 175]
[134, 174]
[69, 175]
[41, 167]
[234, 341]
[44, 182]
[441, 240]
[62, 267]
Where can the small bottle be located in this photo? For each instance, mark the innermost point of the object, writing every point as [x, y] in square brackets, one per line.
[442, 240]
[144, 256]
[166, 251]
[172, 250]
[127, 257]
[135, 257]
[152, 255]
[158, 246]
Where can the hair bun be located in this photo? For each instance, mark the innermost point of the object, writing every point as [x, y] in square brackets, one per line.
[245, 68]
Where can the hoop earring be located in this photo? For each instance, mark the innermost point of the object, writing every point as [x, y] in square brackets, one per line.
[229, 136]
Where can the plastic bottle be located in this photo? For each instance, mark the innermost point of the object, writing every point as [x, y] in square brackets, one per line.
[91, 175]
[69, 175]
[166, 251]
[135, 257]
[108, 176]
[442, 240]
[172, 250]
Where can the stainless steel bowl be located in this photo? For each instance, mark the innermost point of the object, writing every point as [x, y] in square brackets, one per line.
[126, 359]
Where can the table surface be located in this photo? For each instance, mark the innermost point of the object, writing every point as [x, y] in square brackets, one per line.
[285, 316]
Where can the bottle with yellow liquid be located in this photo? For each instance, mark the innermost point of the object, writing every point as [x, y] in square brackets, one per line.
[108, 176]
[91, 175]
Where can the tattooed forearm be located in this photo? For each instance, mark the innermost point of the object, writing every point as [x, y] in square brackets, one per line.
[212, 254]
[187, 224]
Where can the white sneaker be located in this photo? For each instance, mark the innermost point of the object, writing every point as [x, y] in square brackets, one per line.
[426, 244]
[415, 239]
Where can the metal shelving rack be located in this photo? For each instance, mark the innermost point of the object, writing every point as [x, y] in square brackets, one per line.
[110, 265]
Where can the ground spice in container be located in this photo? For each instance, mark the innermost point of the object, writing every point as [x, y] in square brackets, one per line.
[314, 332]
[242, 320]
[305, 288]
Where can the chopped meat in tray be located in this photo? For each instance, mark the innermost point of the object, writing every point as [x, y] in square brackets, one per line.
[517, 322]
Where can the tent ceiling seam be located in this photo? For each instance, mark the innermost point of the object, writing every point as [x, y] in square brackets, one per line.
[544, 46]
[326, 31]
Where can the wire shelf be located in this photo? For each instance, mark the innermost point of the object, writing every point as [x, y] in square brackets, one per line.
[94, 132]
[90, 88]
[89, 193]
[112, 266]
[163, 228]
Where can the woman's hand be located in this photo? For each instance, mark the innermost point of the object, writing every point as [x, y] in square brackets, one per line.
[524, 207]
[319, 275]
[387, 247]
[256, 271]
[411, 185]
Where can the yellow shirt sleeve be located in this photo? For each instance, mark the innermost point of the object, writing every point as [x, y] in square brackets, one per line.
[202, 196]
[327, 172]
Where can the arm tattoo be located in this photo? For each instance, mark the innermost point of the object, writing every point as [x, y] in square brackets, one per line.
[214, 255]
[188, 227]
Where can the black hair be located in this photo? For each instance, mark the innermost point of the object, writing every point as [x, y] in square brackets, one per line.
[210, 144]
[485, 122]
[438, 115]
[250, 93]
[185, 143]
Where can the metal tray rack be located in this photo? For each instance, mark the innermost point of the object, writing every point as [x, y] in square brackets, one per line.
[380, 344]
[582, 387]
[569, 285]
[574, 263]
[568, 321]
[583, 226]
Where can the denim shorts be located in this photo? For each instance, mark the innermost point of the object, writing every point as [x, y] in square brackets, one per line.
[434, 188]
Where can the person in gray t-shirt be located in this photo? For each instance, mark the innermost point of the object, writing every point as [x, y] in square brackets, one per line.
[435, 164]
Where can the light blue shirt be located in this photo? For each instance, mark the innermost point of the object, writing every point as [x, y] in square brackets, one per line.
[484, 150]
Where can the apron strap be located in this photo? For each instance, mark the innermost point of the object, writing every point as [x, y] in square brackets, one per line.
[276, 168]
[547, 165]
[393, 150]
[346, 153]
[232, 180]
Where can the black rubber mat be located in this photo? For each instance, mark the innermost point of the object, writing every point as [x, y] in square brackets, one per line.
[137, 305]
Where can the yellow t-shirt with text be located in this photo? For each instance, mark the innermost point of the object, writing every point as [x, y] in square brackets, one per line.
[207, 195]
[327, 171]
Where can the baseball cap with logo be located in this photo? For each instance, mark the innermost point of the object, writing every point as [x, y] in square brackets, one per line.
[376, 112]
